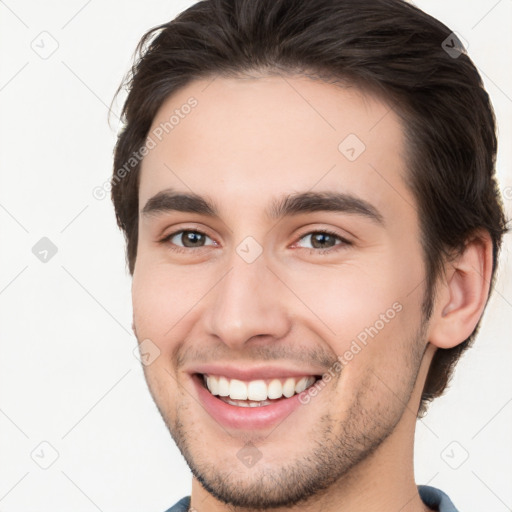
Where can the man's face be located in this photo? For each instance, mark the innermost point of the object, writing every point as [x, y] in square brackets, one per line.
[258, 294]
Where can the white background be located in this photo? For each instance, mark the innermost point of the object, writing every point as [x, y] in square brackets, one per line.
[68, 374]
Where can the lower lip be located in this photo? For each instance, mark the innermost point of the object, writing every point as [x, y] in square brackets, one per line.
[248, 418]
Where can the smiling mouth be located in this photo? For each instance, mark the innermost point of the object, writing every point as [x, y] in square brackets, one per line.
[255, 393]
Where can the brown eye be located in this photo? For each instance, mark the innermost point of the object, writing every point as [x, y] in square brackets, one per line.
[192, 239]
[323, 241]
[188, 239]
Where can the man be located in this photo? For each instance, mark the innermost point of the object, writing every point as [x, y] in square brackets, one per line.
[312, 220]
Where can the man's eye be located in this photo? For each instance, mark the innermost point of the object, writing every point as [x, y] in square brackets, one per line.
[320, 241]
[324, 240]
[188, 239]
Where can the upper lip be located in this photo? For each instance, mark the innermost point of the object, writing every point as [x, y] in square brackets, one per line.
[247, 373]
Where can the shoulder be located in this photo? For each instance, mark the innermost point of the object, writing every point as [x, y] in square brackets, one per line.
[181, 506]
[435, 498]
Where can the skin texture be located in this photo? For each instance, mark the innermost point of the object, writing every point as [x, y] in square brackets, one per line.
[247, 142]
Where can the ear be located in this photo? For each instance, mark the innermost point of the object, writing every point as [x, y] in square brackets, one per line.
[462, 293]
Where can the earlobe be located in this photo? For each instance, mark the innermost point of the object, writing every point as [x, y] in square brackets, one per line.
[462, 294]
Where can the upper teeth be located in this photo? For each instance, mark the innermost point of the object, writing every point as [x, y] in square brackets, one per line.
[256, 389]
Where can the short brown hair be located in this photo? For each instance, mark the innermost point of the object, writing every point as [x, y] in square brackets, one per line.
[387, 46]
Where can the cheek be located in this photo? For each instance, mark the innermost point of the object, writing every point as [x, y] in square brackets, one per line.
[160, 299]
[348, 298]
[168, 302]
[367, 311]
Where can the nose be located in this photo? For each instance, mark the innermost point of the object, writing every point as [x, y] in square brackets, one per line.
[248, 301]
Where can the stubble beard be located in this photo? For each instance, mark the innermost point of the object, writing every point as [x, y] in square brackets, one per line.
[333, 449]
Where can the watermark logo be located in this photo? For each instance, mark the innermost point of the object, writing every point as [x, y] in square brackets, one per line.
[147, 352]
[454, 455]
[45, 45]
[44, 250]
[249, 455]
[249, 249]
[351, 147]
[44, 455]
[157, 134]
[454, 45]
[356, 346]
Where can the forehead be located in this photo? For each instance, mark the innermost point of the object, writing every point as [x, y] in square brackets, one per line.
[245, 139]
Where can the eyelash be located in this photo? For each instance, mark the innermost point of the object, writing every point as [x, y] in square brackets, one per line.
[336, 247]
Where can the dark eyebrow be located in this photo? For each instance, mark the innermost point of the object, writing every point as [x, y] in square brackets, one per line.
[295, 204]
[307, 202]
[170, 200]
